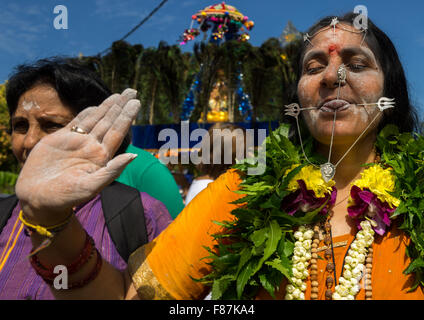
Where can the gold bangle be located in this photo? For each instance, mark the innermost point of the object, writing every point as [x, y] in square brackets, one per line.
[46, 231]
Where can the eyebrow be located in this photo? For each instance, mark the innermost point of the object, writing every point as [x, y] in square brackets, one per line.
[56, 118]
[349, 51]
[352, 51]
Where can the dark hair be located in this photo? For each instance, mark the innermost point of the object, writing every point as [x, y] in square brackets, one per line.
[235, 132]
[404, 114]
[77, 86]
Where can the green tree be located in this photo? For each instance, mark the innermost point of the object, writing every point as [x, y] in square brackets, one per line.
[172, 74]
[149, 84]
[119, 65]
[261, 78]
[8, 165]
[209, 57]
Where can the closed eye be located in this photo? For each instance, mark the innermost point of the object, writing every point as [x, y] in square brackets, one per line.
[356, 67]
[50, 126]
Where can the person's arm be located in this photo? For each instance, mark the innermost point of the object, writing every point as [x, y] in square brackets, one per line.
[67, 168]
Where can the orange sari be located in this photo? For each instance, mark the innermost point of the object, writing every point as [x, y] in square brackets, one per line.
[165, 268]
[389, 261]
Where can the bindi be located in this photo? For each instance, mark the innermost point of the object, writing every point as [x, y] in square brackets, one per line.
[332, 49]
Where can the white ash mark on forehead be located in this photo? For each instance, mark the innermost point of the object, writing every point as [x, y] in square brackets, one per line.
[28, 105]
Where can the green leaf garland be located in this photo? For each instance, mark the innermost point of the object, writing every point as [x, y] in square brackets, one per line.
[258, 247]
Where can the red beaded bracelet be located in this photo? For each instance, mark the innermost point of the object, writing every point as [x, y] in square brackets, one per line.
[48, 273]
[93, 274]
[81, 283]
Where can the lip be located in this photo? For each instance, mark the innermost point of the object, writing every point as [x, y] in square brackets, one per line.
[334, 105]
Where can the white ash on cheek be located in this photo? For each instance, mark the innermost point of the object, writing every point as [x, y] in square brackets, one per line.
[311, 116]
[306, 100]
[362, 112]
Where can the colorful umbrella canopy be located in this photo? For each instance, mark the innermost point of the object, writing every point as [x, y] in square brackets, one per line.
[224, 20]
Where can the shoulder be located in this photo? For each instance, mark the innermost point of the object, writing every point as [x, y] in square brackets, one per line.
[156, 214]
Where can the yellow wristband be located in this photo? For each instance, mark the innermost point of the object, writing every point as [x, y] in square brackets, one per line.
[45, 231]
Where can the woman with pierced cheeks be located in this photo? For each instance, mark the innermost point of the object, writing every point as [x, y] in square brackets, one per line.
[342, 78]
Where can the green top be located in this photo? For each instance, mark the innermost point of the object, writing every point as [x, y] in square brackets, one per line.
[148, 174]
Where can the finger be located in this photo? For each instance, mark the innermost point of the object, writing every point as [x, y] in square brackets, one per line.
[81, 116]
[113, 169]
[116, 133]
[90, 115]
[89, 122]
[106, 122]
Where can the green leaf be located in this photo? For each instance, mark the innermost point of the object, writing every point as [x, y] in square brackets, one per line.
[274, 236]
[220, 286]
[285, 248]
[267, 284]
[281, 266]
[418, 263]
[273, 202]
[245, 255]
[244, 276]
[259, 236]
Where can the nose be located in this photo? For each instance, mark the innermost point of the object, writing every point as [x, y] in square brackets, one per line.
[32, 137]
[330, 77]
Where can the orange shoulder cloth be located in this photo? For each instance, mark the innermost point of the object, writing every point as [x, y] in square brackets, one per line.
[164, 268]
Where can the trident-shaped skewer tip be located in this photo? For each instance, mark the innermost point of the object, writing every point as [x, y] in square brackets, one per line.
[292, 109]
[385, 103]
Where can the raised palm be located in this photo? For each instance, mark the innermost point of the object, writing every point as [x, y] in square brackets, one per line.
[67, 168]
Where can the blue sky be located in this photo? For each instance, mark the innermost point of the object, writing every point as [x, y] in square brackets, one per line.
[27, 32]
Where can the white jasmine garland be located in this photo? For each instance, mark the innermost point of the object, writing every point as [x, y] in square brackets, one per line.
[354, 264]
[301, 258]
[348, 286]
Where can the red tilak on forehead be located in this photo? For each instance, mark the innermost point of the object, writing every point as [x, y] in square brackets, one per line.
[332, 48]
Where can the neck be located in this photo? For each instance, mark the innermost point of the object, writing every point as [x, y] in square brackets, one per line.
[351, 165]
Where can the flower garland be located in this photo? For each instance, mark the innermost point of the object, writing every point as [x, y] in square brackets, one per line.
[370, 205]
[354, 263]
[261, 248]
[301, 258]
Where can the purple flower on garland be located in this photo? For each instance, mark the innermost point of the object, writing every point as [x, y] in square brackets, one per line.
[305, 200]
[365, 203]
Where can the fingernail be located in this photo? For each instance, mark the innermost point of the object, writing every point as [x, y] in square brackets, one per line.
[132, 155]
[133, 105]
[129, 92]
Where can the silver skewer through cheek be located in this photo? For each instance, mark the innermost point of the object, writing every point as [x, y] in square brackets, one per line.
[328, 170]
[383, 103]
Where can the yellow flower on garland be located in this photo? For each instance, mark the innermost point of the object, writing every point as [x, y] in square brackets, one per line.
[313, 180]
[379, 181]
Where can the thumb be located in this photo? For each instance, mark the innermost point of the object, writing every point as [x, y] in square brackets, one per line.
[112, 170]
